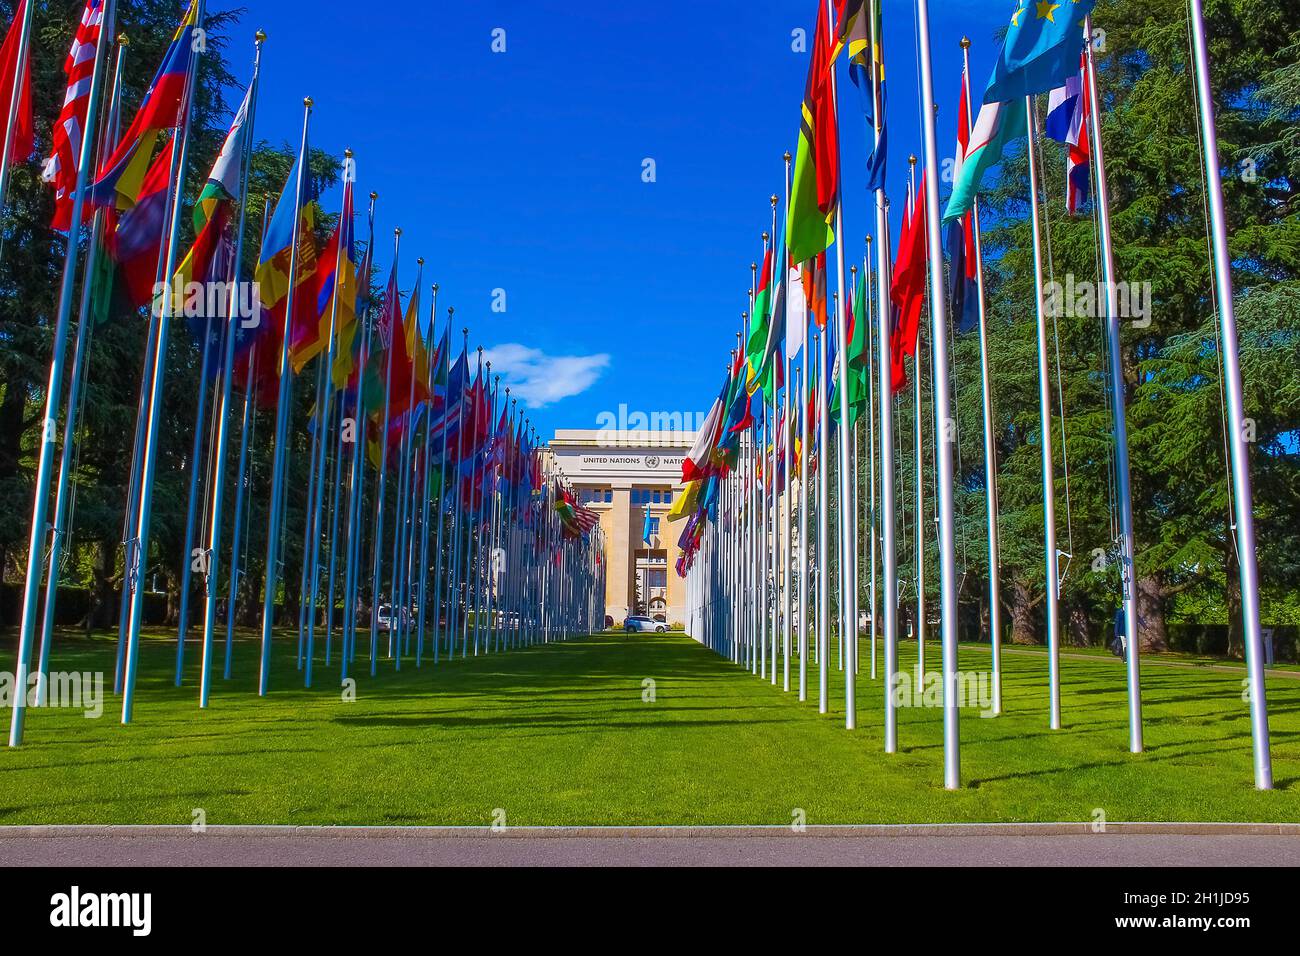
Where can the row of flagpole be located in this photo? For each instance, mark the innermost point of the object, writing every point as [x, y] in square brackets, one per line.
[744, 543]
[516, 561]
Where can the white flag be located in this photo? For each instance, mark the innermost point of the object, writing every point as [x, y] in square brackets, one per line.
[797, 326]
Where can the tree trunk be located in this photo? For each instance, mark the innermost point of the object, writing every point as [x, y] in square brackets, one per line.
[1232, 601]
[102, 606]
[1152, 635]
[1024, 629]
[1078, 626]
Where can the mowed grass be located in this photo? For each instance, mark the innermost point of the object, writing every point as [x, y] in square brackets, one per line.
[560, 734]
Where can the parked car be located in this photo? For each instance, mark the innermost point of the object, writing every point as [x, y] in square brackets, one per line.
[385, 621]
[639, 623]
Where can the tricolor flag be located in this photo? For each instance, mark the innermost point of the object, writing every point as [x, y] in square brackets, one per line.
[12, 85]
[1068, 107]
[119, 177]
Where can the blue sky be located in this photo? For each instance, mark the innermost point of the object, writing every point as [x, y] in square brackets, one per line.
[522, 171]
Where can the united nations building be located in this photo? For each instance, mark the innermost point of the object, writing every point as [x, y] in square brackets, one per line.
[630, 479]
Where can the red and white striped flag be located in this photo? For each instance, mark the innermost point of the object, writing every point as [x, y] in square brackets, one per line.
[61, 167]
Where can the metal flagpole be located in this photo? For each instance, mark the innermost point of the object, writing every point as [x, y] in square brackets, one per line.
[1241, 499]
[442, 505]
[787, 589]
[397, 604]
[153, 406]
[357, 471]
[45, 459]
[213, 551]
[918, 454]
[323, 415]
[383, 465]
[990, 447]
[804, 609]
[11, 125]
[457, 522]
[1127, 571]
[60, 531]
[424, 480]
[281, 453]
[887, 502]
[1052, 581]
[871, 437]
[306, 608]
[823, 524]
[943, 414]
[848, 629]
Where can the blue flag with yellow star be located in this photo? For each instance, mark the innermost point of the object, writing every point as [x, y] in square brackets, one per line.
[1041, 49]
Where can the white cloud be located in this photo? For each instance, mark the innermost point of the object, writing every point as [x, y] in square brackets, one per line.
[538, 379]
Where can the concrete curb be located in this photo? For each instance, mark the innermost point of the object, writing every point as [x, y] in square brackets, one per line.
[865, 831]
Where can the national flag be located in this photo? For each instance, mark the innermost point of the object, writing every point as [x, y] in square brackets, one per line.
[647, 527]
[276, 260]
[814, 288]
[907, 290]
[817, 163]
[963, 290]
[227, 174]
[1040, 50]
[857, 354]
[1068, 108]
[61, 167]
[336, 278]
[119, 177]
[769, 371]
[996, 125]
[796, 330]
[698, 462]
[757, 337]
[138, 238]
[686, 502]
[21, 135]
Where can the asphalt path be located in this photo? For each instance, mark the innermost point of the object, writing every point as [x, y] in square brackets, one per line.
[959, 845]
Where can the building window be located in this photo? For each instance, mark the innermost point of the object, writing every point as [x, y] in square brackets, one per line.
[609, 496]
[654, 526]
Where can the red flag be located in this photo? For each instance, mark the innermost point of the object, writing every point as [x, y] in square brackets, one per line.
[20, 140]
[61, 168]
[907, 291]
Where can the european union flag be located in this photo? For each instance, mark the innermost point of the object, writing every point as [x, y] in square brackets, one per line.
[1041, 49]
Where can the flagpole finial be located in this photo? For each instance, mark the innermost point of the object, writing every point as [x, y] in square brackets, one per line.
[480, 348]
[744, 315]
[123, 40]
[373, 195]
[786, 157]
[868, 241]
[397, 231]
[911, 160]
[965, 43]
[774, 200]
[308, 102]
[260, 36]
[420, 261]
[435, 288]
[853, 270]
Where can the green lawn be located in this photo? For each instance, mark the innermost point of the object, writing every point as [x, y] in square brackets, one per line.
[560, 734]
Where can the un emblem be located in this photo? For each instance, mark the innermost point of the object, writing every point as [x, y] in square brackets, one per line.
[652, 461]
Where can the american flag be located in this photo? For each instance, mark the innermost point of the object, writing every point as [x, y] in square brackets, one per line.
[61, 167]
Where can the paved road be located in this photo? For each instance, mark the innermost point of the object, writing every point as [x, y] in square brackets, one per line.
[1043, 845]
